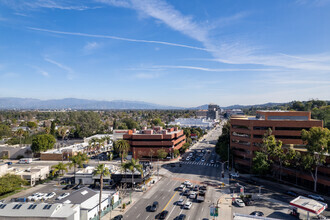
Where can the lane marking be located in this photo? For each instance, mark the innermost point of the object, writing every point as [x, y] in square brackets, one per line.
[137, 217]
[169, 201]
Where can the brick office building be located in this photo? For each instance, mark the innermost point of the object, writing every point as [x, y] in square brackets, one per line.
[147, 142]
[246, 134]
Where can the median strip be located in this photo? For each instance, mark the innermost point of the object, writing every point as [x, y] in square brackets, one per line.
[169, 202]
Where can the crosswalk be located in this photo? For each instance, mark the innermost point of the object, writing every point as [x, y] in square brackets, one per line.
[200, 163]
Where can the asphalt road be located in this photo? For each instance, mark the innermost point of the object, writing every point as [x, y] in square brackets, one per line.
[165, 193]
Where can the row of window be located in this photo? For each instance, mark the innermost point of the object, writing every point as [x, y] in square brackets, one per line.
[265, 128]
[156, 139]
[278, 136]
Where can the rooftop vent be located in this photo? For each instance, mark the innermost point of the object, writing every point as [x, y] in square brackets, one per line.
[84, 192]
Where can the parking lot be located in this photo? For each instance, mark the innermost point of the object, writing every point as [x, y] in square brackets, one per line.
[42, 189]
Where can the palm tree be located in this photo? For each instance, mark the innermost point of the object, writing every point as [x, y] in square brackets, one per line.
[134, 165]
[103, 171]
[60, 167]
[123, 147]
[20, 132]
[93, 142]
[78, 160]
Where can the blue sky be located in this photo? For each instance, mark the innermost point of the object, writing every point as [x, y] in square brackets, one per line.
[179, 52]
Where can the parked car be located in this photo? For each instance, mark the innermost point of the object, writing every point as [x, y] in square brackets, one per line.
[202, 187]
[180, 202]
[247, 201]
[63, 195]
[190, 185]
[202, 193]
[9, 163]
[316, 197]
[257, 213]
[187, 205]
[49, 195]
[239, 202]
[196, 187]
[77, 186]
[200, 198]
[162, 215]
[234, 175]
[68, 187]
[193, 195]
[292, 193]
[186, 192]
[154, 206]
[186, 182]
[181, 187]
[118, 217]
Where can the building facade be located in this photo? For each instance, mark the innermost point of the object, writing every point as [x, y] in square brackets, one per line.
[147, 142]
[247, 132]
[213, 112]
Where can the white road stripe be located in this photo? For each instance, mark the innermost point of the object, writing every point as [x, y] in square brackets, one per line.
[137, 217]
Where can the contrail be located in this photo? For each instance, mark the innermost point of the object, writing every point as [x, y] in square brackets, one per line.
[118, 38]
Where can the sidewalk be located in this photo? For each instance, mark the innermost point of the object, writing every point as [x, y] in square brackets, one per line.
[225, 206]
[134, 197]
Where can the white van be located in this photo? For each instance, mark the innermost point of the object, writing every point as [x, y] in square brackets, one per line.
[25, 160]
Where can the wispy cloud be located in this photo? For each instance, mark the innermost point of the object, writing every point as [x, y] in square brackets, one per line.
[10, 75]
[68, 70]
[214, 69]
[116, 38]
[317, 3]
[234, 52]
[146, 75]
[41, 71]
[90, 46]
[50, 4]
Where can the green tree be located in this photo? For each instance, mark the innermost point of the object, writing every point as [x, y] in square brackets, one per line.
[52, 128]
[162, 154]
[157, 122]
[260, 164]
[32, 125]
[132, 166]
[102, 171]
[122, 147]
[78, 160]
[317, 142]
[20, 132]
[9, 183]
[62, 131]
[176, 153]
[59, 168]
[221, 147]
[5, 130]
[42, 143]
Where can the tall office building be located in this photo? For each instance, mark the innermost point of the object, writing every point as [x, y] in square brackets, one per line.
[213, 112]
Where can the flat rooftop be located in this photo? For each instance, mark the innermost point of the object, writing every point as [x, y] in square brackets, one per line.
[309, 205]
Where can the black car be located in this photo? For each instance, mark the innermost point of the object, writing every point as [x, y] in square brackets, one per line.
[201, 193]
[250, 181]
[247, 201]
[202, 188]
[154, 206]
[292, 193]
[186, 192]
[163, 214]
[77, 186]
[181, 217]
[257, 213]
[196, 187]
[68, 187]
[118, 217]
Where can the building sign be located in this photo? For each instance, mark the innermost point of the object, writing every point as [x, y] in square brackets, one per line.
[214, 211]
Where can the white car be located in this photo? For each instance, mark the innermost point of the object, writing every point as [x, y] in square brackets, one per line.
[202, 160]
[33, 196]
[180, 202]
[239, 202]
[49, 195]
[62, 196]
[187, 182]
[192, 195]
[234, 175]
[212, 161]
[316, 197]
[188, 158]
[187, 205]
[40, 196]
[181, 187]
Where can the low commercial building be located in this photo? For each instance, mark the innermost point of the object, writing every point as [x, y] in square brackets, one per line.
[41, 211]
[193, 123]
[63, 153]
[31, 174]
[88, 201]
[147, 142]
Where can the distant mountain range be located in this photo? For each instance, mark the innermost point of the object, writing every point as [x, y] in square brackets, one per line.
[76, 104]
[85, 104]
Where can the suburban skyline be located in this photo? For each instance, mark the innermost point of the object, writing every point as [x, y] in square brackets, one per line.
[178, 53]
